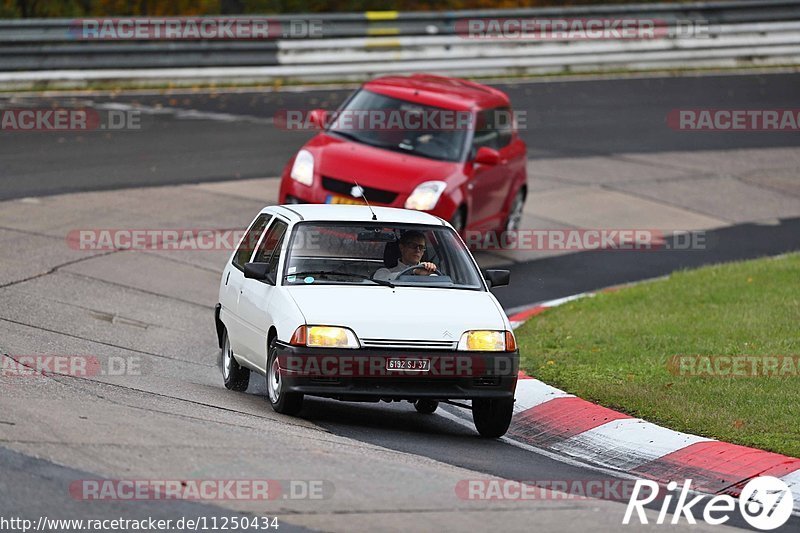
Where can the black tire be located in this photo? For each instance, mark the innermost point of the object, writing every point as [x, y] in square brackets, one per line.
[426, 407]
[458, 221]
[515, 211]
[493, 416]
[286, 403]
[235, 376]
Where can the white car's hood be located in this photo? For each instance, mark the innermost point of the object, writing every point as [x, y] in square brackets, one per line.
[403, 313]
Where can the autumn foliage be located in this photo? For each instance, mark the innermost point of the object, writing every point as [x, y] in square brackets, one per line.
[122, 8]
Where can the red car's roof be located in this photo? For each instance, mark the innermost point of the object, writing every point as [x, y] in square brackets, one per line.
[439, 91]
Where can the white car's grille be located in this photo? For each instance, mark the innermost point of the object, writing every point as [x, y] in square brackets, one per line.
[406, 344]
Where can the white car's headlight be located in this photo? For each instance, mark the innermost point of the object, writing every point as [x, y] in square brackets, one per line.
[325, 337]
[425, 195]
[303, 168]
[487, 341]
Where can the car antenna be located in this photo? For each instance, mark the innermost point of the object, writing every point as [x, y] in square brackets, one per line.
[364, 196]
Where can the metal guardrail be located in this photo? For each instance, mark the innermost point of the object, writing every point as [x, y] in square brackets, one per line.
[358, 45]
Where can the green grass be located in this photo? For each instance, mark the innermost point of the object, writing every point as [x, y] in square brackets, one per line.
[614, 349]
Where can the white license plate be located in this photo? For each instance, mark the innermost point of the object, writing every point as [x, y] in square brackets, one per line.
[414, 365]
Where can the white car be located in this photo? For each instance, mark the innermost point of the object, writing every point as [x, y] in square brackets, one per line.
[362, 304]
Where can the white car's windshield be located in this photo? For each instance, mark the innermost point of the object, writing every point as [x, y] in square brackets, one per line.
[378, 254]
[405, 127]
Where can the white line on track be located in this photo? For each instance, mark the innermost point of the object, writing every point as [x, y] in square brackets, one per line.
[626, 443]
[545, 453]
[183, 114]
[532, 392]
[793, 480]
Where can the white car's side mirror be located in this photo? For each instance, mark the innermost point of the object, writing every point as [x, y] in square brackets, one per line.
[497, 278]
[259, 271]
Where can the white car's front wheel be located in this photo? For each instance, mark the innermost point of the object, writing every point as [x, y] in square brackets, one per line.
[492, 416]
[287, 403]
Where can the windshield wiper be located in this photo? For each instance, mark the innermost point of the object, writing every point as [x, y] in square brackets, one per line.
[383, 282]
[346, 135]
[370, 142]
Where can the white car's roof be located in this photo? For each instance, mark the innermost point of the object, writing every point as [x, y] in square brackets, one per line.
[355, 213]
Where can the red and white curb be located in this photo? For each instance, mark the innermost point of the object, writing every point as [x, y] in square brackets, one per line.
[551, 419]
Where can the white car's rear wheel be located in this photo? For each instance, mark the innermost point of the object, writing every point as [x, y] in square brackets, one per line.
[426, 407]
[235, 376]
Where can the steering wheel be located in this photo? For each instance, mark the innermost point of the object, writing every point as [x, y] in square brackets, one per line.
[437, 272]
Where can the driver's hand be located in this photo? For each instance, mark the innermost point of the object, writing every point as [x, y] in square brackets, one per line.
[426, 269]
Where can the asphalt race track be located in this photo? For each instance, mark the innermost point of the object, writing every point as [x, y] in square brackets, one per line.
[564, 119]
[389, 461]
[238, 140]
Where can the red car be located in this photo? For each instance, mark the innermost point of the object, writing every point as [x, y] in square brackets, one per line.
[442, 145]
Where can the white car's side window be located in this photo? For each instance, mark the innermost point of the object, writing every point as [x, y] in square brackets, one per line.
[250, 240]
[269, 247]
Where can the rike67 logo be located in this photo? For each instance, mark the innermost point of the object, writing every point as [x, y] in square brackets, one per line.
[765, 503]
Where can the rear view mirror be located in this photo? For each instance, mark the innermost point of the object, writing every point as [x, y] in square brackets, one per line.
[376, 236]
[487, 156]
[497, 278]
[318, 117]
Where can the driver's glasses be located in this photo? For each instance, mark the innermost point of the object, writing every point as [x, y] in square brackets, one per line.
[417, 247]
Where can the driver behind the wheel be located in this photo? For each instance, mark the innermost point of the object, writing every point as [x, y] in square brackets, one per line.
[412, 248]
